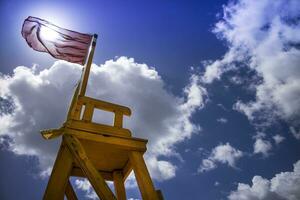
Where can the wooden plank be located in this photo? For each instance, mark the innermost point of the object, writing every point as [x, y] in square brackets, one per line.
[77, 112]
[142, 176]
[72, 106]
[119, 185]
[70, 193]
[51, 133]
[118, 121]
[98, 128]
[59, 175]
[96, 180]
[105, 157]
[88, 113]
[79, 173]
[159, 194]
[126, 170]
[104, 105]
[133, 144]
[87, 68]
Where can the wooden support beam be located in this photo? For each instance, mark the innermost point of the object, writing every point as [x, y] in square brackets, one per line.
[119, 185]
[87, 68]
[118, 121]
[133, 144]
[98, 128]
[96, 180]
[126, 170]
[77, 112]
[72, 107]
[59, 175]
[51, 133]
[160, 195]
[88, 113]
[70, 193]
[104, 105]
[142, 176]
[79, 173]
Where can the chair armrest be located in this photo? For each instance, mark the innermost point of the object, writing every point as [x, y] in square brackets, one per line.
[103, 105]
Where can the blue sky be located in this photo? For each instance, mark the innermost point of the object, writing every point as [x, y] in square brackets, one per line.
[214, 86]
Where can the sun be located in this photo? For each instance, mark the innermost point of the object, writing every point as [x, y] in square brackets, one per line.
[48, 33]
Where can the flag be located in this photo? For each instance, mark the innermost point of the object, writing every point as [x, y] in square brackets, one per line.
[60, 43]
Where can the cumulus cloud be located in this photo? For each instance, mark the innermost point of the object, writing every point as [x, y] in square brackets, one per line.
[41, 98]
[283, 186]
[161, 169]
[278, 138]
[223, 153]
[263, 36]
[295, 133]
[262, 146]
[84, 185]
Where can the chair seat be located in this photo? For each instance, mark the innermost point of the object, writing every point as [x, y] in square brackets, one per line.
[97, 128]
[107, 153]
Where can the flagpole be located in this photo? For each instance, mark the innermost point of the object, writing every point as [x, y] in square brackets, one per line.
[86, 72]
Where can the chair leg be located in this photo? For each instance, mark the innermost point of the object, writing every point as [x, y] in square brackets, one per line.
[59, 175]
[119, 185]
[159, 195]
[70, 193]
[142, 176]
[95, 178]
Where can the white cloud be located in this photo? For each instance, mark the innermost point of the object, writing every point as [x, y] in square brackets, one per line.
[222, 120]
[161, 169]
[130, 181]
[264, 36]
[41, 100]
[84, 185]
[262, 146]
[207, 165]
[223, 153]
[295, 133]
[278, 138]
[283, 186]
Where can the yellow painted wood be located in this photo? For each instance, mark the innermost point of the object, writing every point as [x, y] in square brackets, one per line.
[104, 157]
[142, 176]
[118, 121]
[76, 171]
[77, 112]
[126, 170]
[88, 113]
[96, 180]
[159, 195]
[96, 151]
[133, 144]
[72, 106]
[87, 68]
[98, 128]
[104, 105]
[51, 133]
[59, 175]
[70, 193]
[119, 185]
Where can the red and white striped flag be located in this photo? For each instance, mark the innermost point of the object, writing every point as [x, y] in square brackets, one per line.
[61, 43]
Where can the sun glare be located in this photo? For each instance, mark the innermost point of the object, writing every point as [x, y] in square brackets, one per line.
[48, 33]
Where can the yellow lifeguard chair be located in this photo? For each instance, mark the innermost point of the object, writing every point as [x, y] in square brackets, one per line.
[96, 151]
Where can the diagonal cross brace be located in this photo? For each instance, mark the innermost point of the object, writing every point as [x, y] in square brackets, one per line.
[69, 192]
[80, 157]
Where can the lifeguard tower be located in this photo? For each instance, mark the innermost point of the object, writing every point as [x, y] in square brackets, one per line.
[96, 151]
